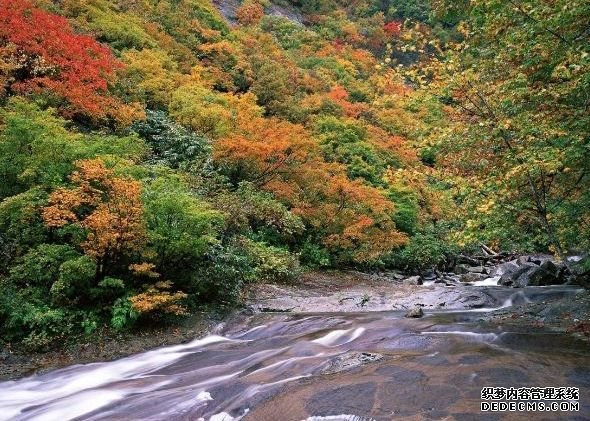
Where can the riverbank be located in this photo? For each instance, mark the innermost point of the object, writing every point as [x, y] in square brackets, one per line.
[558, 309]
[562, 310]
[296, 366]
[104, 345]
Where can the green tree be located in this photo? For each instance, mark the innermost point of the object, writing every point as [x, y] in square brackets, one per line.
[519, 135]
[181, 228]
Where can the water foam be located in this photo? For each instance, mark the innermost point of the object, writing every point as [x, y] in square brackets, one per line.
[75, 391]
[333, 338]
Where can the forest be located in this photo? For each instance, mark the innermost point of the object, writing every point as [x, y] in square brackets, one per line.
[157, 157]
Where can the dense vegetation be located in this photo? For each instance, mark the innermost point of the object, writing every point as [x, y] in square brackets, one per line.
[157, 157]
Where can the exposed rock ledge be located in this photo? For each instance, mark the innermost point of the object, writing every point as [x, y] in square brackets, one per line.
[354, 291]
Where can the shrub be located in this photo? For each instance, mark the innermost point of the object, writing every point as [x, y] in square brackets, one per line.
[181, 227]
[272, 264]
[256, 213]
[314, 256]
[41, 265]
[123, 315]
[222, 274]
[172, 144]
[21, 226]
[39, 325]
[406, 209]
[157, 300]
[74, 280]
[425, 250]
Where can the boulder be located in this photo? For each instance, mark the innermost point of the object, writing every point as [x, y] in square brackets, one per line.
[518, 278]
[540, 258]
[547, 274]
[415, 313]
[472, 277]
[530, 274]
[478, 269]
[523, 260]
[413, 280]
[429, 275]
[463, 268]
[574, 258]
[503, 268]
[580, 271]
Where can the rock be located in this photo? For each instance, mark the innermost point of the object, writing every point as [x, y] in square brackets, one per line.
[350, 360]
[446, 281]
[396, 275]
[523, 260]
[429, 275]
[575, 257]
[468, 260]
[551, 267]
[477, 269]
[539, 259]
[530, 274]
[503, 268]
[472, 277]
[461, 269]
[416, 312]
[546, 274]
[475, 301]
[518, 278]
[413, 280]
[250, 310]
[580, 270]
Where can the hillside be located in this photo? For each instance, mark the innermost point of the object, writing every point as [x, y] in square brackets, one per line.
[157, 157]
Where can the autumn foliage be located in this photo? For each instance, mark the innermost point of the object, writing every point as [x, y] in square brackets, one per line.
[354, 219]
[106, 206]
[158, 299]
[42, 54]
[250, 13]
[162, 155]
[393, 28]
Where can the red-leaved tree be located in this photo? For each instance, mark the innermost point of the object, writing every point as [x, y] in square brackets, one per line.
[393, 28]
[41, 54]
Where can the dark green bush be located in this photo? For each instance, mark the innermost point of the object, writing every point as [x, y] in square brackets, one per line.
[40, 267]
[314, 256]
[123, 314]
[74, 282]
[424, 251]
[21, 226]
[36, 325]
[406, 210]
[172, 144]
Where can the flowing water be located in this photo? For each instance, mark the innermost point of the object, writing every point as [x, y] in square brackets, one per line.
[336, 366]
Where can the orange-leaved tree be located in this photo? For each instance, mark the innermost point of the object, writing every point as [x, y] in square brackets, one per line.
[354, 220]
[350, 218]
[263, 150]
[250, 13]
[107, 206]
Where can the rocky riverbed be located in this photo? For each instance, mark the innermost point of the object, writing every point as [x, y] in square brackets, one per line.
[505, 289]
[473, 284]
[338, 366]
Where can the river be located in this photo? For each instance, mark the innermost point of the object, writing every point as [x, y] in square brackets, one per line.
[320, 366]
